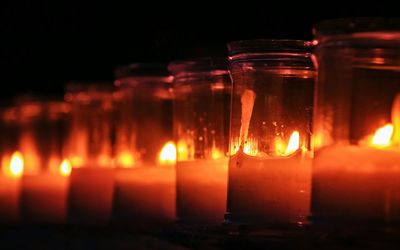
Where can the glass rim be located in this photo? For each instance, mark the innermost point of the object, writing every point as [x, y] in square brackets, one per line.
[141, 69]
[347, 26]
[269, 45]
[198, 65]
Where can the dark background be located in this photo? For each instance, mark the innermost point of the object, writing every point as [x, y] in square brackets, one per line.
[43, 45]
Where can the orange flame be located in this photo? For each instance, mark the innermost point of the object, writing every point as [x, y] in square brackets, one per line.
[294, 143]
[168, 154]
[65, 167]
[125, 159]
[382, 136]
[16, 167]
[182, 150]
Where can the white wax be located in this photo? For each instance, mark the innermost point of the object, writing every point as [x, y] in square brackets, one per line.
[202, 191]
[44, 198]
[91, 195]
[145, 194]
[269, 190]
[356, 183]
[9, 199]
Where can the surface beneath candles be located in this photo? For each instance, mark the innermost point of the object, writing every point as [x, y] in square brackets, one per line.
[178, 237]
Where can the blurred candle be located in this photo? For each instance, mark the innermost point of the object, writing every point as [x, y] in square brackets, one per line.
[89, 147]
[44, 183]
[356, 169]
[44, 196]
[201, 122]
[145, 159]
[10, 187]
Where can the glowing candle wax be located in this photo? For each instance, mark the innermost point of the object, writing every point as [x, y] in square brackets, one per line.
[269, 190]
[147, 193]
[91, 195]
[44, 195]
[202, 189]
[358, 182]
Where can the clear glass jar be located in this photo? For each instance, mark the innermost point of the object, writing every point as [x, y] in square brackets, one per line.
[89, 148]
[356, 122]
[145, 116]
[42, 128]
[144, 151]
[92, 119]
[270, 152]
[201, 126]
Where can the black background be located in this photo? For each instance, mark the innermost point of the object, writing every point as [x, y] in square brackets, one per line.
[43, 45]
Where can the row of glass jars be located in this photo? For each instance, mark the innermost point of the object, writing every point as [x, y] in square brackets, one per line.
[291, 146]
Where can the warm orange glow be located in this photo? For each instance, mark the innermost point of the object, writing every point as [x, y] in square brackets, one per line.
[182, 151]
[65, 167]
[16, 167]
[168, 154]
[382, 136]
[250, 147]
[103, 160]
[28, 147]
[215, 153]
[294, 143]
[77, 161]
[125, 159]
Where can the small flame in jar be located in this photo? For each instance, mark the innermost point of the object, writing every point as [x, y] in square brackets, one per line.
[382, 136]
[294, 143]
[65, 167]
[125, 160]
[16, 164]
[168, 154]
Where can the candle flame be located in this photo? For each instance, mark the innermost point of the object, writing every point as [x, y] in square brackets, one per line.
[125, 159]
[382, 136]
[168, 154]
[65, 167]
[182, 150]
[294, 143]
[215, 153]
[16, 164]
[77, 161]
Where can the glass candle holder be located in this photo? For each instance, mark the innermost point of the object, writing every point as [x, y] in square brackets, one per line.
[201, 126]
[89, 148]
[39, 158]
[10, 173]
[270, 153]
[356, 172]
[144, 151]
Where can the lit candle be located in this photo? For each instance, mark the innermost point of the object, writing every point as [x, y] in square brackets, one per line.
[269, 181]
[44, 195]
[147, 193]
[89, 147]
[268, 187]
[265, 189]
[10, 188]
[360, 182]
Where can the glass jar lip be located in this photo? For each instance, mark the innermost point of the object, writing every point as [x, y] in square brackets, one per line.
[199, 65]
[269, 45]
[95, 86]
[141, 70]
[347, 26]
